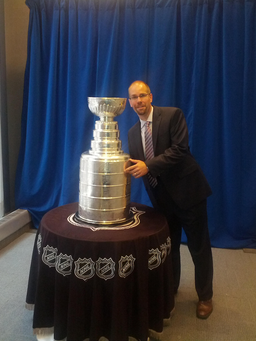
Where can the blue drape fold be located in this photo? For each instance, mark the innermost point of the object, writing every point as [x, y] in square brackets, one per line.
[198, 55]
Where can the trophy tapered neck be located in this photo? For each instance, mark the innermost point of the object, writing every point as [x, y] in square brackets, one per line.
[106, 118]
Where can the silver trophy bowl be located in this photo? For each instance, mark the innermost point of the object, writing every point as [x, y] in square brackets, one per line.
[106, 107]
[104, 188]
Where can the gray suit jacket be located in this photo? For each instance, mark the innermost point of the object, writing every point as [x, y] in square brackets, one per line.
[173, 164]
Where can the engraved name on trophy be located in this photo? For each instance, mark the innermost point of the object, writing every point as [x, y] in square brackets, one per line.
[104, 188]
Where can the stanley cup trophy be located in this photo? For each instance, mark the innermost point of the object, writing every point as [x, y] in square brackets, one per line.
[104, 188]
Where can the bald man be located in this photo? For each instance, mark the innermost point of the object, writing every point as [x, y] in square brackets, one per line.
[175, 184]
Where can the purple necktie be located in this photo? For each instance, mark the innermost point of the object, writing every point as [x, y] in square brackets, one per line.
[149, 152]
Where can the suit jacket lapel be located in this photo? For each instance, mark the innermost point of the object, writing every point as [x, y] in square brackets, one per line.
[155, 125]
[138, 142]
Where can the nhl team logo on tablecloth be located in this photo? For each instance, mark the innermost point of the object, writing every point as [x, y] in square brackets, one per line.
[84, 268]
[126, 266]
[49, 256]
[164, 250]
[64, 264]
[154, 259]
[105, 268]
[169, 245]
[39, 243]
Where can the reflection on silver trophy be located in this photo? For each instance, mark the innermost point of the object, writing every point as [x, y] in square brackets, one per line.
[104, 188]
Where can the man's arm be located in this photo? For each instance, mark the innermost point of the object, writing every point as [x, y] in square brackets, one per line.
[136, 168]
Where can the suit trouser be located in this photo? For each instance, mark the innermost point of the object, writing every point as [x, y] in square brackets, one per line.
[195, 224]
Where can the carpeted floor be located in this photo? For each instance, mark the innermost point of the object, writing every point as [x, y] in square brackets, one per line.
[233, 318]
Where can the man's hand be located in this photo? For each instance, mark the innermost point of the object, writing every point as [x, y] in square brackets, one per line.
[138, 168]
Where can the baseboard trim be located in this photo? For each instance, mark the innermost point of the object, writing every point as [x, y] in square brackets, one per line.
[249, 250]
[14, 225]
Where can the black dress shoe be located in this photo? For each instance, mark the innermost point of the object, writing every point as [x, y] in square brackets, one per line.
[204, 309]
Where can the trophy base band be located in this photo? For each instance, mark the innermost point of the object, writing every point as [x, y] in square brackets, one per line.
[127, 219]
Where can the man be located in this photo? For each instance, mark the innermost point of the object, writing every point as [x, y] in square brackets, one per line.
[175, 184]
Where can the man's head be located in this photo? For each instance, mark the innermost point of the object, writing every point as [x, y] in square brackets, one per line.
[140, 99]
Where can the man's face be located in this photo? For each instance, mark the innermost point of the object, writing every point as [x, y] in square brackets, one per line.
[140, 100]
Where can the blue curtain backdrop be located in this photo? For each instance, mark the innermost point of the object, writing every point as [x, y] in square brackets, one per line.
[199, 55]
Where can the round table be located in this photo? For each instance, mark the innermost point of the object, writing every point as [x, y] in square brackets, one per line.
[88, 281]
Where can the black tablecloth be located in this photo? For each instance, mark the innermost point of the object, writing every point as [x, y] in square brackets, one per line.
[88, 282]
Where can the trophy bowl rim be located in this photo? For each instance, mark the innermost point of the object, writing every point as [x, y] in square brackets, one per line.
[94, 97]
